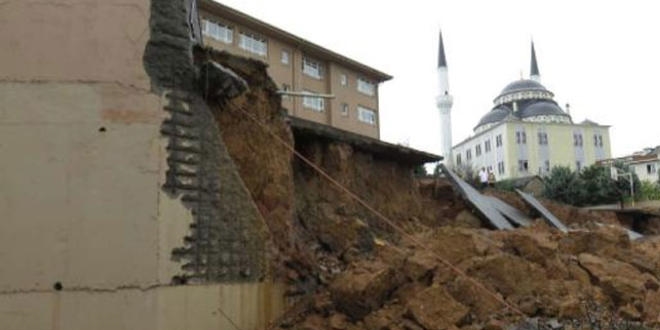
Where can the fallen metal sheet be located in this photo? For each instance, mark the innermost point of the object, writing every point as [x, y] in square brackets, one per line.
[632, 235]
[545, 213]
[513, 214]
[481, 204]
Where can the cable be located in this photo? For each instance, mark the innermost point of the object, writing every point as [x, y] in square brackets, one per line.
[382, 217]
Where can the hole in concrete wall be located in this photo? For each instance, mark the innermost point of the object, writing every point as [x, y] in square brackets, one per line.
[57, 286]
[102, 129]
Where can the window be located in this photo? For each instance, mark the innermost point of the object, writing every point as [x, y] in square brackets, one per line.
[500, 167]
[366, 115]
[343, 80]
[285, 57]
[650, 168]
[598, 140]
[487, 145]
[477, 150]
[312, 68]
[498, 140]
[313, 102]
[577, 140]
[468, 154]
[578, 165]
[253, 44]
[366, 87]
[344, 109]
[458, 159]
[547, 166]
[218, 31]
[524, 137]
[523, 165]
[521, 137]
[543, 138]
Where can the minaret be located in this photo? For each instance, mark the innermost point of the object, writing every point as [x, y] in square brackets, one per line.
[444, 102]
[534, 67]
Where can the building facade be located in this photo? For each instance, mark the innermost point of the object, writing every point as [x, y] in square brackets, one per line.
[298, 65]
[645, 164]
[527, 133]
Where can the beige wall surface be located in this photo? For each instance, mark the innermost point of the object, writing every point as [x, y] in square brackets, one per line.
[191, 307]
[83, 163]
[81, 187]
[75, 40]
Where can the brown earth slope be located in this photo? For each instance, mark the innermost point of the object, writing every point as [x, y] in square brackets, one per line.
[347, 269]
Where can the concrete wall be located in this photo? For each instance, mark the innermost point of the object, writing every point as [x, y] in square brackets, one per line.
[87, 231]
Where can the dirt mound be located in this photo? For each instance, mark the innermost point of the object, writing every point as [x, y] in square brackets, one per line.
[348, 269]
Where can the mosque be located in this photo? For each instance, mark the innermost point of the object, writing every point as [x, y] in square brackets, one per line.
[526, 132]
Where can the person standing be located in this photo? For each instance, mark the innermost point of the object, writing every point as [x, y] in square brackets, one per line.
[483, 178]
[491, 179]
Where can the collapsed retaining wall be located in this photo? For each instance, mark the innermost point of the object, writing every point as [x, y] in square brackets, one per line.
[115, 187]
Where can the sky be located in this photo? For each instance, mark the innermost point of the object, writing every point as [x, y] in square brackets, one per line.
[602, 57]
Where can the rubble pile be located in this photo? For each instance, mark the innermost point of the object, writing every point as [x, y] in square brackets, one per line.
[347, 269]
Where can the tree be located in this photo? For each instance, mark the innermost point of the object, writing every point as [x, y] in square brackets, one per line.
[563, 185]
[599, 188]
[592, 186]
[623, 184]
[420, 170]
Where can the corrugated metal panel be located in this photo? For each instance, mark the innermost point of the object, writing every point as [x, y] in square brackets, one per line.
[513, 214]
[545, 213]
[482, 205]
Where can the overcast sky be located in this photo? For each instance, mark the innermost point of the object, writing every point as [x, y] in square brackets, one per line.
[602, 57]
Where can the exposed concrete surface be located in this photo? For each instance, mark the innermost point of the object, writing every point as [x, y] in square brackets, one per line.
[74, 40]
[190, 307]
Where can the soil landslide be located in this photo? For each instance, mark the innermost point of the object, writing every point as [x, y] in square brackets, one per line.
[347, 269]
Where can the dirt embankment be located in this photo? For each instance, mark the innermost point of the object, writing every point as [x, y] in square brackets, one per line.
[347, 269]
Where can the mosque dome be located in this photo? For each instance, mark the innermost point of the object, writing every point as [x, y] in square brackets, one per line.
[522, 85]
[542, 108]
[494, 116]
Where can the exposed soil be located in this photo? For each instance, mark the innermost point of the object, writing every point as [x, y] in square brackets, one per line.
[347, 269]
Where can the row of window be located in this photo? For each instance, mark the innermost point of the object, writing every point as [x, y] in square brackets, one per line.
[258, 45]
[224, 33]
[314, 69]
[317, 104]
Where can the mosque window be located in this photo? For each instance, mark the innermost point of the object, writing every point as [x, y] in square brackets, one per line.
[487, 145]
[521, 137]
[458, 159]
[598, 140]
[477, 150]
[468, 154]
[543, 138]
[500, 167]
[577, 139]
[498, 140]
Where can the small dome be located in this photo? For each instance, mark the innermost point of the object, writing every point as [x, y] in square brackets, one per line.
[494, 116]
[522, 85]
[542, 108]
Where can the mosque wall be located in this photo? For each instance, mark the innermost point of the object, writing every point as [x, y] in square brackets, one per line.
[560, 150]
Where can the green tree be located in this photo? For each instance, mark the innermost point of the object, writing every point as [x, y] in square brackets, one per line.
[420, 170]
[563, 185]
[599, 188]
[623, 183]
